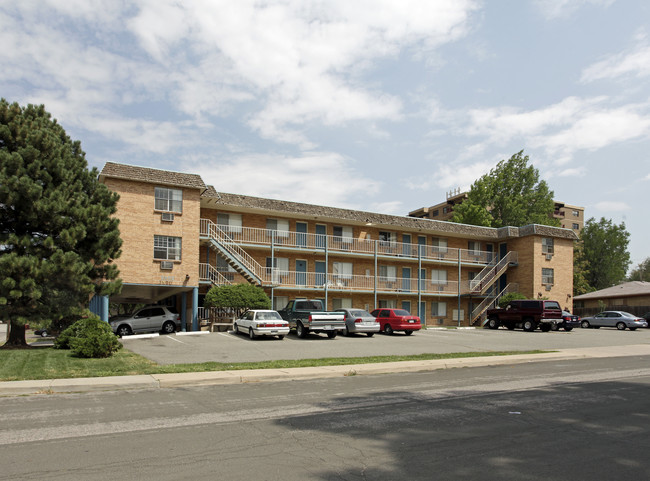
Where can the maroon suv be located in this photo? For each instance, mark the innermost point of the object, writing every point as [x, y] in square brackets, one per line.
[396, 320]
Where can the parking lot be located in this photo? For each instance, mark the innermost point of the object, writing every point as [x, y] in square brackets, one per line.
[228, 347]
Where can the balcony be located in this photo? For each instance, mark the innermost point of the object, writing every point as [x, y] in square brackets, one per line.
[314, 243]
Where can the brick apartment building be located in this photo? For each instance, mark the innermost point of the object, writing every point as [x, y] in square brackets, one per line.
[181, 237]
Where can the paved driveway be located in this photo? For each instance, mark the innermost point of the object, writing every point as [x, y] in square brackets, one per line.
[228, 347]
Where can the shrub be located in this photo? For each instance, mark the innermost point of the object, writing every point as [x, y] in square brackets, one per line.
[511, 296]
[89, 337]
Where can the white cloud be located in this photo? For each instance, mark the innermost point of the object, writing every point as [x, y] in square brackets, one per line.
[612, 206]
[320, 178]
[573, 172]
[635, 63]
[552, 9]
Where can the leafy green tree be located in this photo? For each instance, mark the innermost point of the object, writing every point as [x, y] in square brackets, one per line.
[641, 272]
[510, 195]
[58, 237]
[580, 270]
[511, 296]
[604, 252]
[237, 298]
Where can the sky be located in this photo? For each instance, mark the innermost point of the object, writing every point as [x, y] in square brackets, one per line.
[376, 105]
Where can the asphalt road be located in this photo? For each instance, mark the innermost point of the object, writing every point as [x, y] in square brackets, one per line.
[228, 347]
[583, 420]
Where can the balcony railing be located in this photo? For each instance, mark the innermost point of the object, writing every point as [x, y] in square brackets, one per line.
[321, 242]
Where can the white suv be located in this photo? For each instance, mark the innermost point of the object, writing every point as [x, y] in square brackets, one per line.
[147, 319]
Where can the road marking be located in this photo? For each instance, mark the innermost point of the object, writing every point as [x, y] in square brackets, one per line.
[174, 339]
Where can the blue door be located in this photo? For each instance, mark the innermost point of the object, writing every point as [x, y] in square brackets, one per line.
[406, 245]
[321, 232]
[301, 234]
[301, 273]
[320, 273]
[406, 279]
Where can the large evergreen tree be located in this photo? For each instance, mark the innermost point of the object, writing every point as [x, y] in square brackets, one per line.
[510, 195]
[604, 253]
[57, 234]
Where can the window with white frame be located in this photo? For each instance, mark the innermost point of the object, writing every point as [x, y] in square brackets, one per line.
[341, 304]
[438, 277]
[387, 238]
[388, 273]
[279, 226]
[474, 247]
[440, 243]
[547, 276]
[168, 200]
[166, 248]
[387, 303]
[342, 233]
[230, 222]
[342, 270]
[278, 268]
[438, 309]
[547, 245]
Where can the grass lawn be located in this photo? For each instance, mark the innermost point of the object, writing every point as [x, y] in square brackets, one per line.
[50, 363]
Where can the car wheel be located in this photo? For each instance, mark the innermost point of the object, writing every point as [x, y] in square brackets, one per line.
[388, 330]
[620, 326]
[251, 333]
[331, 334]
[168, 327]
[408, 333]
[567, 329]
[123, 331]
[493, 323]
[584, 324]
[301, 331]
[545, 327]
[555, 326]
[280, 337]
[370, 334]
[529, 325]
[346, 331]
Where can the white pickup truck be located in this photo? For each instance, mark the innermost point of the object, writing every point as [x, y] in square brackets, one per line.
[308, 315]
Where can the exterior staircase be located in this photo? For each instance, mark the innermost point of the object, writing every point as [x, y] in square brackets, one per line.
[491, 273]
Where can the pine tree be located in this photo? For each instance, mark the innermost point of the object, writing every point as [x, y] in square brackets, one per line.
[57, 234]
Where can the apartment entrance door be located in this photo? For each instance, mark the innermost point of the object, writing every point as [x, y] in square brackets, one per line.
[301, 272]
[301, 234]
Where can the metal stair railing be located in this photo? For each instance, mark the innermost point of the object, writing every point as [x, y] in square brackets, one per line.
[212, 275]
[237, 257]
[488, 276]
[490, 302]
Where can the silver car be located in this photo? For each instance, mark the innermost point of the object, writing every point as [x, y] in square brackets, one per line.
[359, 321]
[147, 319]
[618, 319]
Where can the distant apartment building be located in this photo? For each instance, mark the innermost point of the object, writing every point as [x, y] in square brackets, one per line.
[570, 216]
[181, 237]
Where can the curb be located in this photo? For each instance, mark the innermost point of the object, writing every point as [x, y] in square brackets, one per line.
[210, 378]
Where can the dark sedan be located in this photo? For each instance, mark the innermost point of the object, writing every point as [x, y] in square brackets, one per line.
[569, 321]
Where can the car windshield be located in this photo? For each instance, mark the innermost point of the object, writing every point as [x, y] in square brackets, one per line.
[268, 316]
[402, 312]
[359, 313]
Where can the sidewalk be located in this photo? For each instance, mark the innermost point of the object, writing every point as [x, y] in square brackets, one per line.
[159, 381]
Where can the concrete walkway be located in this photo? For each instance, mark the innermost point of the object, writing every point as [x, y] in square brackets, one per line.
[158, 381]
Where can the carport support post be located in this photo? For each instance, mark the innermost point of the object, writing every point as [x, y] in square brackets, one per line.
[195, 309]
[184, 312]
[104, 315]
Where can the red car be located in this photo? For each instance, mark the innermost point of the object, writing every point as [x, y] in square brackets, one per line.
[396, 320]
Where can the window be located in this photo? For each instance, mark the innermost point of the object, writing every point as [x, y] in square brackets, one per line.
[230, 222]
[343, 233]
[575, 226]
[446, 210]
[387, 304]
[435, 213]
[387, 238]
[438, 277]
[440, 243]
[279, 226]
[342, 270]
[280, 302]
[341, 304]
[439, 309]
[276, 264]
[168, 200]
[474, 247]
[576, 213]
[166, 248]
[547, 276]
[547, 245]
[388, 273]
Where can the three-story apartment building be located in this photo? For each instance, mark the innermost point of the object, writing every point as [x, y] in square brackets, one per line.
[181, 237]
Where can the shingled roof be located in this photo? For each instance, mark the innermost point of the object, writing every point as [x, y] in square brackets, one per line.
[151, 176]
[286, 207]
[627, 289]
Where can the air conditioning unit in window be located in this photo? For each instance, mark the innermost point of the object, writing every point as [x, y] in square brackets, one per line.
[549, 286]
[167, 217]
[166, 265]
[549, 257]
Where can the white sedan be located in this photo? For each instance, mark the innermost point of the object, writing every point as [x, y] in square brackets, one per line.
[257, 322]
